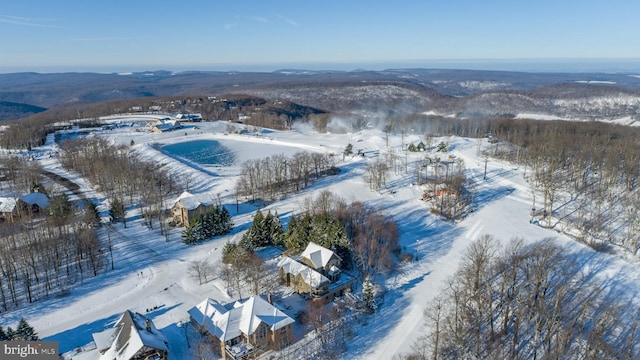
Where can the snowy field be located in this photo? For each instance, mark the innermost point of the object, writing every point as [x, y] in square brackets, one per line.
[151, 271]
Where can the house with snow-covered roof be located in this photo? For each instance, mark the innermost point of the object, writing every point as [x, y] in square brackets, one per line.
[321, 259]
[134, 336]
[15, 205]
[244, 327]
[189, 207]
[315, 273]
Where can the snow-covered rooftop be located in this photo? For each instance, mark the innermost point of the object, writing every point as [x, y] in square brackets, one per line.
[240, 317]
[309, 275]
[319, 255]
[190, 201]
[132, 333]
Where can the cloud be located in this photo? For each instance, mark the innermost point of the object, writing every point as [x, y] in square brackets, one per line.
[16, 20]
[287, 20]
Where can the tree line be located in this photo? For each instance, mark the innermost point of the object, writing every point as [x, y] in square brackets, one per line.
[123, 176]
[274, 177]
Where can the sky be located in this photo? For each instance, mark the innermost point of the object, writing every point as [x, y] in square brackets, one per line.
[134, 35]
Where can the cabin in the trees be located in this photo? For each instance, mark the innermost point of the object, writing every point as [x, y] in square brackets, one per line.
[13, 206]
[134, 336]
[189, 207]
[315, 273]
[243, 328]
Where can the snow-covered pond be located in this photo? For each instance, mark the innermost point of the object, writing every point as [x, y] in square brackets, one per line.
[203, 152]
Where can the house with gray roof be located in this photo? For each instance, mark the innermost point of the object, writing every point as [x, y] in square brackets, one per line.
[189, 207]
[315, 273]
[245, 327]
[133, 336]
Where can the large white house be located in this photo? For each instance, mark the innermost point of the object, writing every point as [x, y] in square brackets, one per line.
[244, 327]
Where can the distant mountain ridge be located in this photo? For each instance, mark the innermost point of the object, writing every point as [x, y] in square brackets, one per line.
[9, 110]
[449, 92]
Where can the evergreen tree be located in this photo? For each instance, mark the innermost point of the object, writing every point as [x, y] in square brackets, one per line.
[91, 214]
[412, 148]
[117, 211]
[368, 297]
[348, 150]
[224, 223]
[322, 229]
[3, 335]
[265, 230]
[327, 231]
[274, 228]
[193, 233]
[11, 334]
[421, 146]
[25, 332]
[59, 206]
[255, 235]
[297, 236]
[215, 222]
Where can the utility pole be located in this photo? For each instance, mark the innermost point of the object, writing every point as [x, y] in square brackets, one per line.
[486, 159]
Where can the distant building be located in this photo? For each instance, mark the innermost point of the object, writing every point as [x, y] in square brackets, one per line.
[315, 273]
[165, 124]
[133, 337]
[243, 328]
[189, 117]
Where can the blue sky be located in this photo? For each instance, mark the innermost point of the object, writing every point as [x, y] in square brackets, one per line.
[117, 35]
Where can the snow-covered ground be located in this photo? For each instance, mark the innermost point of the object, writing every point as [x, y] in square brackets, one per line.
[151, 271]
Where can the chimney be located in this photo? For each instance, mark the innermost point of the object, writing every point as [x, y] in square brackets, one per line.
[269, 298]
[147, 323]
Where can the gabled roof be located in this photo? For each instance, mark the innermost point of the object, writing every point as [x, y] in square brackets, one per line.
[319, 255]
[241, 317]
[309, 275]
[191, 202]
[256, 310]
[128, 336]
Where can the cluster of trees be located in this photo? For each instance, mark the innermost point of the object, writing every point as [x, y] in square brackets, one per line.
[41, 253]
[264, 230]
[363, 237]
[214, 222]
[122, 176]
[23, 332]
[597, 164]
[276, 176]
[526, 302]
[420, 147]
[17, 174]
[41, 256]
[241, 268]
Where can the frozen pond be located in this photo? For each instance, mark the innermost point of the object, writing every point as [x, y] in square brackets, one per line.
[203, 152]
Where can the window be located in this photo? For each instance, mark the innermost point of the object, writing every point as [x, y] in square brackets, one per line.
[262, 332]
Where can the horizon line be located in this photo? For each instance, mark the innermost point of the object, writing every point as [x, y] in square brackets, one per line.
[564, 65]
